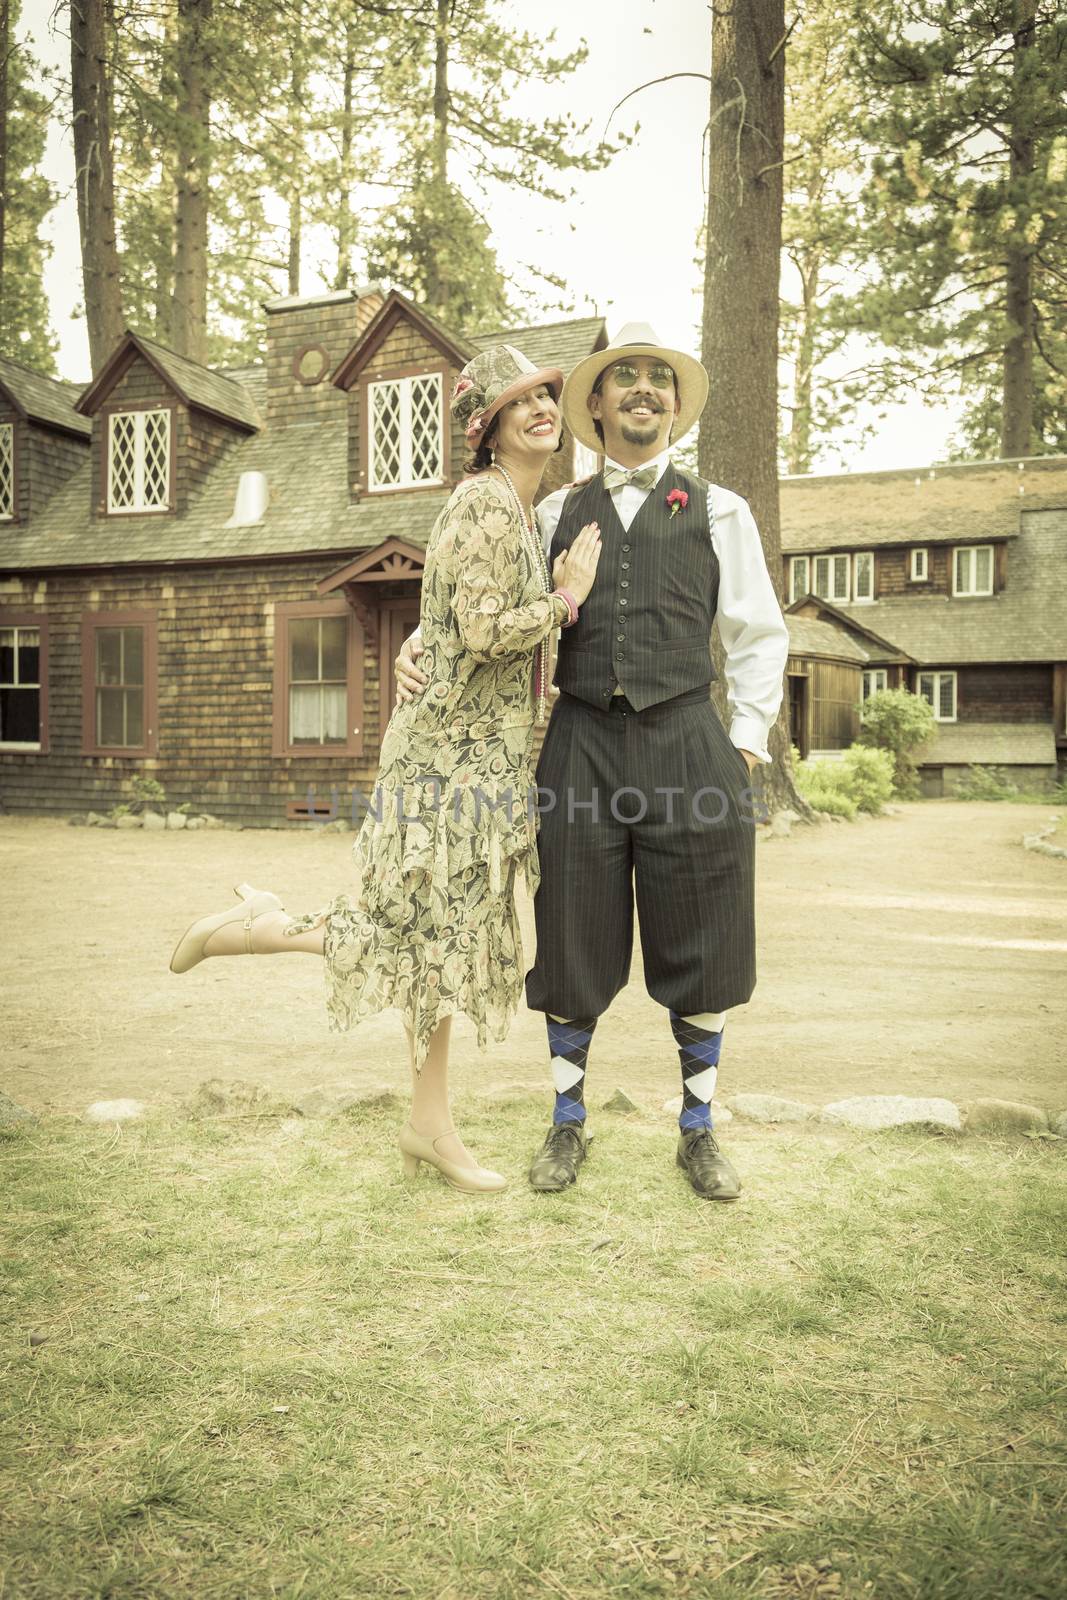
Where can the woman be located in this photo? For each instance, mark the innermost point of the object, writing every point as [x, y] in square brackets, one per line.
[435, 930]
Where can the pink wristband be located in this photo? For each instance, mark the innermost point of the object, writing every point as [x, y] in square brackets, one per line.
[572, 606]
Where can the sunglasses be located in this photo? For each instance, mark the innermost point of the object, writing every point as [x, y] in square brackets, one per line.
[660, 375]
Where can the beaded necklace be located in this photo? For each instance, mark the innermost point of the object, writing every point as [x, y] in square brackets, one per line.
[535, 550]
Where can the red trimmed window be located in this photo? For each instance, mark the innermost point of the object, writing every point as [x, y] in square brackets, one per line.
[23, 682]
[119, 654]
[318, 679]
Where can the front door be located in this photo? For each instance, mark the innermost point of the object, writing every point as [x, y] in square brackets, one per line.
[798, 712]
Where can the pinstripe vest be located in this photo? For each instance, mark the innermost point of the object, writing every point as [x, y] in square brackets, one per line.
[646, 624]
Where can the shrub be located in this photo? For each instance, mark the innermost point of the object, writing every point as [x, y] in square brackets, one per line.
[985, 783]
[833, 801]
[145, 792]
[900, 722]
[870, 776]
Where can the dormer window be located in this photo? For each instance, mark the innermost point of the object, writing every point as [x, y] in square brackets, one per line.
[138, 461]
[972, 570]
[407, 445]
[7, 471]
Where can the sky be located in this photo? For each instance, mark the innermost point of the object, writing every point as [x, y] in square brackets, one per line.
[626, 245]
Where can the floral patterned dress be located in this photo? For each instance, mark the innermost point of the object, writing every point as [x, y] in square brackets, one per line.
[434, 929]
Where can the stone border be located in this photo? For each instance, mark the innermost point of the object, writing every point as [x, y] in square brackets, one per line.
[867, 1113]
[1036, 841]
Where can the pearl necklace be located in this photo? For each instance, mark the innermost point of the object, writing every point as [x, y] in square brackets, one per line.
[535, 550]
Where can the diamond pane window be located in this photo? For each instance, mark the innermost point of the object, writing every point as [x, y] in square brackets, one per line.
[972, 570]
[406, 432]
[318, 680]
[7, 470]
[138, 469]
[20, 686]
[120, 687]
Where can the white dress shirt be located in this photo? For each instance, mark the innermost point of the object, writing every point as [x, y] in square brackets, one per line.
[751, 625]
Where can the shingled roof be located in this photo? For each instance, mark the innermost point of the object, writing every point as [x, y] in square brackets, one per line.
[935, 505]
[1026, 621]
[46, 400]
[809, 637]
[309, 510]
[194, 384]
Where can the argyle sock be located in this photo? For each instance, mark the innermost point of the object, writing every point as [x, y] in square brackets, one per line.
[568, 1044]
[699, 1040]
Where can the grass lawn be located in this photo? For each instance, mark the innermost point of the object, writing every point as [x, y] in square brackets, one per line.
[245, 1358]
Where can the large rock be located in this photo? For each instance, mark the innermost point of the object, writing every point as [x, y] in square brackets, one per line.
[782, 824]
[93, 819]
[192, 823]
[333, 1101]
[115, 1110]
[771, 1108]
[128, 820]
[1003, 1116]
[876, 1111]
[11, 1112]
[176, 819]
[153, 822]
[211, 822]
[1058, 1124]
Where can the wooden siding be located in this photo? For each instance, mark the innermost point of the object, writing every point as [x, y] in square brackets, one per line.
[833, 696]
[1004, 694]
[215, 701]
[333, 327]
[52, 457]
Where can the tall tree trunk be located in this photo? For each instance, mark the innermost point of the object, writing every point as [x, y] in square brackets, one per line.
[437, 285]
[188, 329]
[738, 444]
[91, 101]
[1018, 408]
[296, 193]
[346, 225]
[5, 70]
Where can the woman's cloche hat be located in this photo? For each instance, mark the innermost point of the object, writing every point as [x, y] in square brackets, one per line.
[490, 380]
[636, 339]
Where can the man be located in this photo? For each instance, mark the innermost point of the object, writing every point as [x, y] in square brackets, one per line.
[640, 788]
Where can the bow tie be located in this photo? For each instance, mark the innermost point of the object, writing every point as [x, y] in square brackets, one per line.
[640, 477]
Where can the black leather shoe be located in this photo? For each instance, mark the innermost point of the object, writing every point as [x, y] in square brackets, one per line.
[556, 1163]
[709, 1172]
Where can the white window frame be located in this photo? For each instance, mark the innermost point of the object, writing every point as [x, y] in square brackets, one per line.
[920, 564]
[871, 684]
[406, 480]
[858, 557]
[7, 461]
[934, 698]
[836, 564]
[971, 552]
[797, 589]
[140, 423]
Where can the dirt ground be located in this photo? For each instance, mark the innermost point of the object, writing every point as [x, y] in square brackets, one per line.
[922, 953]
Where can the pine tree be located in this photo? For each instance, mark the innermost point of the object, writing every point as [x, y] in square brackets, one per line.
[434, 241]
[964, 222]
[25, 200]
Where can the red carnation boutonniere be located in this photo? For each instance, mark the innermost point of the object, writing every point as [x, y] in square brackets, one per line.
[677, 500]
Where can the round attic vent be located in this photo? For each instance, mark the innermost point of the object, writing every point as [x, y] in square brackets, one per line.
[311, 364]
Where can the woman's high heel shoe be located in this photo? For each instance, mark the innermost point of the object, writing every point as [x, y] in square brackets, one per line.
[190, 947]
[472, 1180]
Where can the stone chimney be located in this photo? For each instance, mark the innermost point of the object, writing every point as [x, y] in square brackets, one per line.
[306, 341]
